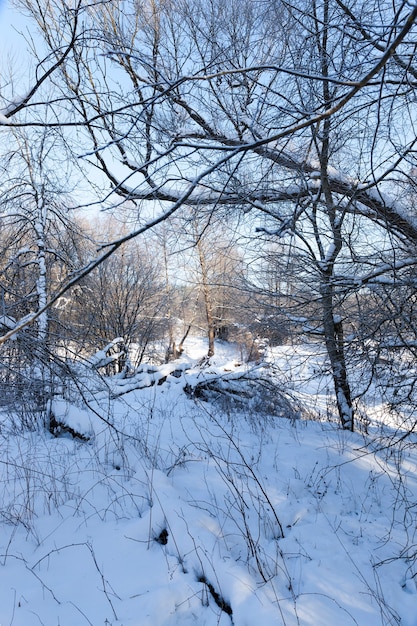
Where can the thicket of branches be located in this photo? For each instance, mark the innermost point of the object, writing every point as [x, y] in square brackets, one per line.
[273, 141]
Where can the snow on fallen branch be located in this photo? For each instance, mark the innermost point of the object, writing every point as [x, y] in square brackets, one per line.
[243, 388]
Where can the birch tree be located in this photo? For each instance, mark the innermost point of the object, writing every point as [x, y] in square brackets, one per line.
[36, 250]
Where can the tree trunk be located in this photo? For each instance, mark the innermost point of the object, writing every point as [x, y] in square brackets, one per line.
[333, 334]
[207, 299]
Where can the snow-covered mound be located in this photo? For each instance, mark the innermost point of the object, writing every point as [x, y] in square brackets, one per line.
[177, 509]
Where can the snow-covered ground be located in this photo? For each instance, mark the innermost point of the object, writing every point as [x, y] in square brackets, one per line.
[178, 511]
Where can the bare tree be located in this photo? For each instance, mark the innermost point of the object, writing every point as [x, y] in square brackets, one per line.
[123, 297]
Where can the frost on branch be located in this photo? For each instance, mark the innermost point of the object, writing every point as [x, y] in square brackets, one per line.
[112, 357]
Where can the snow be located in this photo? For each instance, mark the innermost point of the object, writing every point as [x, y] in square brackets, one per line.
[178, 512]
[77, 419]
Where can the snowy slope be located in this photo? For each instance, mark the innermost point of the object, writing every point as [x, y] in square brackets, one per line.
[184, 513]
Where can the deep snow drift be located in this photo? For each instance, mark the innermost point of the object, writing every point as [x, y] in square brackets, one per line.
[176, 510]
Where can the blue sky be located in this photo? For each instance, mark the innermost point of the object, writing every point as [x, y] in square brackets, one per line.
[11, 23]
